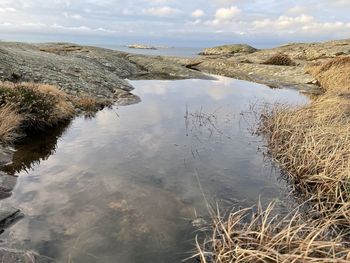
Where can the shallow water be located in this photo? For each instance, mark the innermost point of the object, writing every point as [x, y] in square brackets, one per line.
[124, 186]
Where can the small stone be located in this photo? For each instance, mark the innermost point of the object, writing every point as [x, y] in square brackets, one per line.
[199, 222]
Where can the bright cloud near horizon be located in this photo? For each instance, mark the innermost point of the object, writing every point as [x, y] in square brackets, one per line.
[170, 21]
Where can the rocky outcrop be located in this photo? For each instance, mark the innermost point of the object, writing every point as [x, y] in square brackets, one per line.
[252, 66]
[102, 73]
[228, 50]
[140, 46]
[98, 72]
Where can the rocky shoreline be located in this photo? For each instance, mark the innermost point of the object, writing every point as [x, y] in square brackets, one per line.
[102, 74]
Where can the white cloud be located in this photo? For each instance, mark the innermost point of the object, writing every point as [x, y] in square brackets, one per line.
[7, 9]
[162, 11]
[197, 13]
[224, 14]
[198, 20]
[298, 9]
[284, 22]
[302, 25]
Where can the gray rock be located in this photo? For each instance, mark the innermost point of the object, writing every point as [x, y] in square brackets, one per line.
[7, 182]
[199, 222]
[5, 156]
[250, 67]
[229, 50]
[78, 69]
[8, 215]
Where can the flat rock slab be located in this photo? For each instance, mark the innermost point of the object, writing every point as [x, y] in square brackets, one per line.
[17, 256]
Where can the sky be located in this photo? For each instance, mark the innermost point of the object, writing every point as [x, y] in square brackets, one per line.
[178, 23]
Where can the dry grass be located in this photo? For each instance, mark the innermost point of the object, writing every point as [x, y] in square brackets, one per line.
[41, 105]
[62, 48]
[10, 121]
[86, 103]
[311, 144]
[89, 106]
[280, 60]
[33, 106]
[334, 75]
[256, 235]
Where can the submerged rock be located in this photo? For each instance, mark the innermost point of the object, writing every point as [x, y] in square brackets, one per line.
[6, 156]
[199, 222]
[7, 182]
[9, 215]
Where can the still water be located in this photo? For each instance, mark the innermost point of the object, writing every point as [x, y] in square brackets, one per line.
[161, 51]
[126, 185]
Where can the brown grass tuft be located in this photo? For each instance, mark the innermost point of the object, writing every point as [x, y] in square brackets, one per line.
[280, 59]
[10, 122]
[42, 105]
[334, 75]
[311, 144]
[33, 106]
[86, 103]
[62, 48]
[256, 235]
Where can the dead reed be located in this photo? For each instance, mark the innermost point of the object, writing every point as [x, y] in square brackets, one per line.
[10, 121]
[62, 48]
[334, 75]
[258, 235]
[31, 106]
[311, 145]
[41, 105]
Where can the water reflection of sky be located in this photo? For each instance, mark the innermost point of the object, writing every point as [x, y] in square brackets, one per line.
[122, 186]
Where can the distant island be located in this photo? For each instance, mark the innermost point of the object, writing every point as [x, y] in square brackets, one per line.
[141, 46]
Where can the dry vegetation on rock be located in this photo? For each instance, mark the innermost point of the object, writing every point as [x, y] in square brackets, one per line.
[40, 105]
[10, 122]
[333, 75]
[62, 48]
[30, 106]
[280, 59]
[311, 145]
